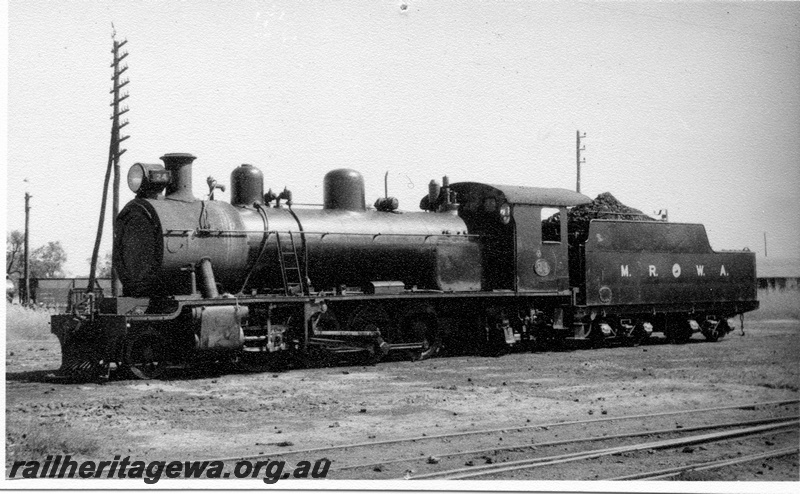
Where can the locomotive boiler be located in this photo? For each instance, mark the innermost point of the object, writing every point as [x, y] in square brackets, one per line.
[482, 267]
[251, 247]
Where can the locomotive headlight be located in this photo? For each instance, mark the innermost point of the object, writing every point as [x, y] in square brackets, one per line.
[135, 178]
[505, 213]
[147, 180]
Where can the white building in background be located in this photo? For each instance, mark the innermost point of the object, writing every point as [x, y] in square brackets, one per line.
[778, 273]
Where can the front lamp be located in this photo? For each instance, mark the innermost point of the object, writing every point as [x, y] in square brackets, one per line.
[147, 180]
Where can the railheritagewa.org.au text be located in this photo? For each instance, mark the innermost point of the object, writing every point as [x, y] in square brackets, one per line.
[61, 467]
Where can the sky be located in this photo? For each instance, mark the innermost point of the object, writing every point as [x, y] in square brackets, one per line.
[693, 108]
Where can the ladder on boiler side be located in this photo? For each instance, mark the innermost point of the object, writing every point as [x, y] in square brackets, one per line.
[289, 260]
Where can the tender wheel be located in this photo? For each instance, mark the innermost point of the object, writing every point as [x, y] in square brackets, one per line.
[596, 336]
[146, 355]
[711, 330]
[723, 328]
[639, 335]
[679, 331]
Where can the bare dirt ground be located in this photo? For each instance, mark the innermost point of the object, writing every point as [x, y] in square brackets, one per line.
[207, 414]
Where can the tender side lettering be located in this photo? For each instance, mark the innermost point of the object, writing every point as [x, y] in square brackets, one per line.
[677, 270]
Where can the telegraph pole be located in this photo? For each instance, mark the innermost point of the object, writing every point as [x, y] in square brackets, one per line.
[114, 153]
[26, 259]
[580, 160]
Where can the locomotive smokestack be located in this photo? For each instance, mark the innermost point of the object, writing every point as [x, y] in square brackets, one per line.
[180, 167]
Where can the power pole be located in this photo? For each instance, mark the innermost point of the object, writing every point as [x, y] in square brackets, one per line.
[114, 153]
[26, 259]
[580, 160]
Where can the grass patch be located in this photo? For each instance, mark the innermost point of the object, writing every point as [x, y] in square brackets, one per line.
[27, 324]
[777, 304]
[36, 442]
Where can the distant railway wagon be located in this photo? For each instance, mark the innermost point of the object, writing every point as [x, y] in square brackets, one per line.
[54, 293]
[489, 267]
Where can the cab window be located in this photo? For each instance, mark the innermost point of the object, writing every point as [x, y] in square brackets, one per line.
[551, 225]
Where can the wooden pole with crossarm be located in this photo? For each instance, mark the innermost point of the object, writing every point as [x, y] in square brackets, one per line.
[114, 153]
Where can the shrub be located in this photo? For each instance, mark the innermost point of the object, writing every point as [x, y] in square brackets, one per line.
[27, 324]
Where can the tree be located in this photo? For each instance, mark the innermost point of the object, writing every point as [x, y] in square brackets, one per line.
[15, 243]
[48, 261]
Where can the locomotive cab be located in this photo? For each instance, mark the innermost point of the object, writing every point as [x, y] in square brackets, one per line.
[524, 236]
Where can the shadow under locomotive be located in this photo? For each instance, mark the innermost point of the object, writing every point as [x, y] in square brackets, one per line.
[203, 367]
[481, 268]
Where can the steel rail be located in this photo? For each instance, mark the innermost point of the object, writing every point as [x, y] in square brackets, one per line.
[501, 429]
[709, 465]
[569, 441]
[483, 470]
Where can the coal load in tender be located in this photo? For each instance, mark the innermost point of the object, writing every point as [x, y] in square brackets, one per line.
[604, 206]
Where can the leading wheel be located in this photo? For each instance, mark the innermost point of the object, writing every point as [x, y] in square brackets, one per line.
[146, 355]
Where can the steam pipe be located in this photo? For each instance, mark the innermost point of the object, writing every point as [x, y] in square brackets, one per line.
[208, 283]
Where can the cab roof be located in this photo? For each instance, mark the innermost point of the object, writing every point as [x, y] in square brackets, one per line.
[516, 194]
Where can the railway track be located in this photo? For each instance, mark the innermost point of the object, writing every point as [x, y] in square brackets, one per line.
[710, 465]
[437, 456]
[529, 463]
[534, 446]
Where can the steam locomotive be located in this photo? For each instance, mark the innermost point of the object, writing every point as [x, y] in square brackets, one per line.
[480, 266]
